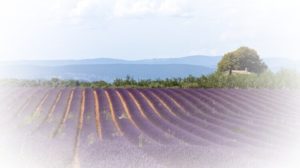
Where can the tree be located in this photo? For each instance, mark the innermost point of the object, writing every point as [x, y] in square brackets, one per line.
[55, 82]
[241, 59]
[229, 62]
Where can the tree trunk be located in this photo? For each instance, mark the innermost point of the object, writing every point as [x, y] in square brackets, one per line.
[230, 71]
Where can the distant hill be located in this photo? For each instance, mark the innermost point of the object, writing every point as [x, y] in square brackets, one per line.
[107, 72]
[109, 69]
[207, 61]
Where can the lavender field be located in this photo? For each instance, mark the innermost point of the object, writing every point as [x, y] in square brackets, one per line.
[85, 127]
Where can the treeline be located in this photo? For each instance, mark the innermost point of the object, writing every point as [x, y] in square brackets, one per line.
[281, 79]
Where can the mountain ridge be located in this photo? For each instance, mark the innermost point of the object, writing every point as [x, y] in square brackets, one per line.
[203, 60]
[190, 60]
[106, 72]
[109, 69]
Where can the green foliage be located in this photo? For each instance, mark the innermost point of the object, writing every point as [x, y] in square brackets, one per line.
[241, 59]
[282, 79]
[128, 82]
[229, 62]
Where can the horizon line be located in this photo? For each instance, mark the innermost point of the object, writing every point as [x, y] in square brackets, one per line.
[93, 58]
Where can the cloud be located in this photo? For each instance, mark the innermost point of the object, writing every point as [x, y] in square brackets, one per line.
[105, 9]
[82, 7]
[93, 10]
[140, 8]
[168, 27]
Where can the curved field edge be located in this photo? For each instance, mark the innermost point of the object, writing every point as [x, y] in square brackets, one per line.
[79, 122]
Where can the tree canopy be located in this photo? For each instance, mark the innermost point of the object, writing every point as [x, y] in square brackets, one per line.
[241, 59]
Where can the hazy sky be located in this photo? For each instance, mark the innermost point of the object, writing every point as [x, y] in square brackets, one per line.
[137, 29]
